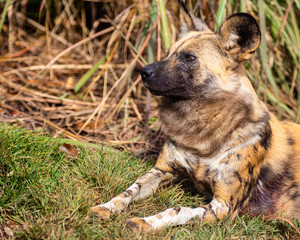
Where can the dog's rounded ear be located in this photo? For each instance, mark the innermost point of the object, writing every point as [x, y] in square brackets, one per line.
[189, 22]
[239, 36]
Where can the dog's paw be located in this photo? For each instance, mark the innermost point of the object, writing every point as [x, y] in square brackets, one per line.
[138, 224]
[102, 213]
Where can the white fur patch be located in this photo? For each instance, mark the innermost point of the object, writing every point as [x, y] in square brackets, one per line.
[182, 157]
[169, 217]
[214, 163]
[232, 41]
[218, 206]
[125, 201]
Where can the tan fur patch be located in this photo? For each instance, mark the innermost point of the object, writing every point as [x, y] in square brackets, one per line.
[138, 224]
[100, 212]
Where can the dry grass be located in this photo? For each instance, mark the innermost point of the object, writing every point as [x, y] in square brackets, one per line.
[70, 67]
[39, 76]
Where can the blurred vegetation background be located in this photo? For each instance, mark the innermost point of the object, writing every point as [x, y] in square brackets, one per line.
[69, 67]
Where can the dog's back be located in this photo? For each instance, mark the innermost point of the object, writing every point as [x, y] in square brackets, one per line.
[278, 189]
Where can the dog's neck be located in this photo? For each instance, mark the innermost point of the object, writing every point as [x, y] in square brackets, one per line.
[213, 123]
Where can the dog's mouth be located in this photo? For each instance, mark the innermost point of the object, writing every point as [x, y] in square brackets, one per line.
[172, 92]
[158, 92]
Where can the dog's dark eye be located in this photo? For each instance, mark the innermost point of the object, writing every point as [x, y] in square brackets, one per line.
[190, 58]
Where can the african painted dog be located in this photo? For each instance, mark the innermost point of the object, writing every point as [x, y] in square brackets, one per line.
[219, 133]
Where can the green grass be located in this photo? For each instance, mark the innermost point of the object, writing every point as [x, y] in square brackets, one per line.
[46, 194]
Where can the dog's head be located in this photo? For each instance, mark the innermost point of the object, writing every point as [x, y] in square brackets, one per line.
[201, 60]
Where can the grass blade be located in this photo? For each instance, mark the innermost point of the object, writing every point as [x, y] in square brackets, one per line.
[165, 25]
[220, 14]
[89, 73]
[4, 12]
[151, 46]
[264, 52]
[243, 6]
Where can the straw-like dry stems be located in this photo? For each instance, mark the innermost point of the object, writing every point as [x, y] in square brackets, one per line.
[76, 71]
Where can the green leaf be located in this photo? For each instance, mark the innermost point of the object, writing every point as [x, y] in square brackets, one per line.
[4, 12]
[220, 13]
[87, 76]
[165, 25]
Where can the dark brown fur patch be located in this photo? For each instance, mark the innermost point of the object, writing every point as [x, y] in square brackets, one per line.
[265, 197]
[266, 136]
[177, 209]
[291, 141]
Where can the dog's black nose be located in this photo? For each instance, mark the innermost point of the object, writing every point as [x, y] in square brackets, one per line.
[146, 72]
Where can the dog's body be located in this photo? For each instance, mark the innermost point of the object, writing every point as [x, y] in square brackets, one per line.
[219, 133]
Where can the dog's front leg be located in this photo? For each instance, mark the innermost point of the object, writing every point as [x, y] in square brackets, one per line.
[231, 187]
[143, 187]
[216, 209]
